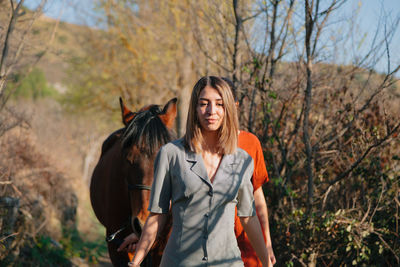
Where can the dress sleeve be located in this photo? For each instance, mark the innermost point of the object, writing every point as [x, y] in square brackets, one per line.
[161, 189]
[260, 175]
[246, 206]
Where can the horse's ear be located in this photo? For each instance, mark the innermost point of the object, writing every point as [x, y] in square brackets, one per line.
[168, 114]
[127, 115]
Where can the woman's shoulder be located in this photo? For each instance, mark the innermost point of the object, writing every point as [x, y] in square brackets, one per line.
[242, 154]
[174, 146]
[243, 160]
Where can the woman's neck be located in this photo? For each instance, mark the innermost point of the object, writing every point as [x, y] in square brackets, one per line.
[210, 142]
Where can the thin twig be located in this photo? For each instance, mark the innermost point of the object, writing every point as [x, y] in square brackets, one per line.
[379, 201]
[366, 152]
[8, 236]
[387, 245]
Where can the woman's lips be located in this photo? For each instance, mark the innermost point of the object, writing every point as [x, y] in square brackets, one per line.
[211, 121]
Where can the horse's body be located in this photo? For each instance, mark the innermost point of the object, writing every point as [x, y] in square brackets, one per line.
[119, 189]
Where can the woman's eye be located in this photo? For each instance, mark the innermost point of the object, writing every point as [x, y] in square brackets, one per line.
[202, 104]
[220, 104]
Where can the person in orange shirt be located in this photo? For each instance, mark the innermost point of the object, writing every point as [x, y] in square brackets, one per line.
[250, 143]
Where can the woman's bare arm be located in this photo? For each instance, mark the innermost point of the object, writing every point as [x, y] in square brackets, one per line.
[154, 222]
[262, 213]
[252, 227]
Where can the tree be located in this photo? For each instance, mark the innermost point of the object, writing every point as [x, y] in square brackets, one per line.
[17, 30]
[145, 54]
[346, 133]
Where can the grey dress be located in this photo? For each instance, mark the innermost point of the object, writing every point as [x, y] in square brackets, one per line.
[203, 212]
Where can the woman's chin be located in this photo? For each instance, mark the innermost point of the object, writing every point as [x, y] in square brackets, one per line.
[211, 128]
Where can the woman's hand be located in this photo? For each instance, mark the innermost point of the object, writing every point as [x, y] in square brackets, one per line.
[271, 255]
[129, 243]
[154, 222]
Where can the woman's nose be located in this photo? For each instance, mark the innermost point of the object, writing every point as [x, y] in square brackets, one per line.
[211, 108]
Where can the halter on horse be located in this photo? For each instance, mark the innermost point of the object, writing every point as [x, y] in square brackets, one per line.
[121, 180]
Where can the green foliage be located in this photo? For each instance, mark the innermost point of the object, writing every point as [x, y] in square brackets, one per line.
[32, 85]
[41, 251]
[362, 235]
[272, 94]
[75, 246]
[44, 251]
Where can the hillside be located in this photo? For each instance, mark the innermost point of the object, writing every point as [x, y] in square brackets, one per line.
[51, 42]
[60, 43]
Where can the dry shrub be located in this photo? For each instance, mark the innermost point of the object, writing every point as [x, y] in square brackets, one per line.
[46, 201]
[44, 197]
[354, 119]
[72, 143]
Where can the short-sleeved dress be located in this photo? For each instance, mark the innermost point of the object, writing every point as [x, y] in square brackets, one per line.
[203, 212]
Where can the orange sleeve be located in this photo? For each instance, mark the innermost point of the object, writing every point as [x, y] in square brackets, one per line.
[260, 175]
[250, 143]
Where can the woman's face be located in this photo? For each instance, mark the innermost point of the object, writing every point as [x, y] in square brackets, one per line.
[210, 109]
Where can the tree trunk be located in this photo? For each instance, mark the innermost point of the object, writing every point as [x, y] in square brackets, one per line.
[309, 23]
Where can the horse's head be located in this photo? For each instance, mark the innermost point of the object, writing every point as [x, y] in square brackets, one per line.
[145, 132]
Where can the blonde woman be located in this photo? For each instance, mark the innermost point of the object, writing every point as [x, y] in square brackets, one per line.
[201, 178]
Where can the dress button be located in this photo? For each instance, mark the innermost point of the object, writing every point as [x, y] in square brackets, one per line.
[210, 193]
[205, 259]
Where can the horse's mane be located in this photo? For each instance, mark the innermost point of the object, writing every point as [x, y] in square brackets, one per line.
[146, 131]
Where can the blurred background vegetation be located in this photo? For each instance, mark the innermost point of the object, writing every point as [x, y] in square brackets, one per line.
[310, 83]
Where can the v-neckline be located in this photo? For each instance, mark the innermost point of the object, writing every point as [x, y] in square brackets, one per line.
[216, 171]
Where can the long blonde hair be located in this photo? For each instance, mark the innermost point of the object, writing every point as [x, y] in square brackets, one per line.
[228, 132]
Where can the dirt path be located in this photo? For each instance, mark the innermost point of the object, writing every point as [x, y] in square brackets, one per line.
[104, 261]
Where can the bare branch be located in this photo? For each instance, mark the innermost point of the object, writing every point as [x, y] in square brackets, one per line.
[254, 15]
[238, 26]
[10, 30]
[6, 70]
[365, 154]
[8, 236]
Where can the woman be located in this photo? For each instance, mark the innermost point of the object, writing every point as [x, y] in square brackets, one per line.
[203, 176]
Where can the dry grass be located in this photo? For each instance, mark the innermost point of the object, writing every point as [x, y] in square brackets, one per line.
[42, 165]
[68, 141]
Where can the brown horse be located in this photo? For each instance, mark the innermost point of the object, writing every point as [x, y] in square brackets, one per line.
[121, 181]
